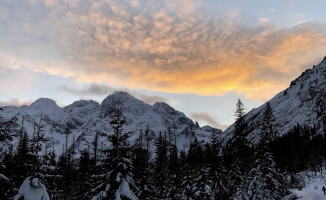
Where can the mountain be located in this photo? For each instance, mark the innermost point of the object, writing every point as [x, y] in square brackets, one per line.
[303, 102]
[83, 119]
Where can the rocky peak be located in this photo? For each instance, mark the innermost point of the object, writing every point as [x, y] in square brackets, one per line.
[117, 96]
[83, 119]
[44, 104]
[162, 107]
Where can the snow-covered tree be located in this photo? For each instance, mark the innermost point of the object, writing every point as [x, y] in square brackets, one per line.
[51, 176]
[118, 182]
[195, 184]
[84, 180]
[32, 189]
[6, 158]
[186, 191]
[264, 181]
[67, 171]
[203, 185]
[7, 165]
[25, 161]
[235, 179]
[6, 128]
[38, 136]
[217, 170]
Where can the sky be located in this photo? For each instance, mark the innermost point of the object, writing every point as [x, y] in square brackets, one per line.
[199, 56]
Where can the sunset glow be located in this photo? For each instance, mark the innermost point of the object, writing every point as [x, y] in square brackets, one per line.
[178, 51]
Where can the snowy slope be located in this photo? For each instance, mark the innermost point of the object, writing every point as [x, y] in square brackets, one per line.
[300, 103]
[313, 186]
[83, 119]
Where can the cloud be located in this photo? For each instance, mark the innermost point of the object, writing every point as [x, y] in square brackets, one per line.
[14, 77]
[149, 99]
[207, 118]
[14, 102]
[299, 15]
[159, 46]
[91, 90]
[104, 90]
[263, 20]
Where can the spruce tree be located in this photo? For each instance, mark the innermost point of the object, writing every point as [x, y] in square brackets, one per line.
[95, 149]
[195, 153]
[143, 175]
[51, 176]
[25, 160]
[7, 167]
[84, 181]
[7, 188]
[38, 136]
[217, 170]
[268, 124]
[240, 123]
[39, 141]
[235, 179]
[240, 151]
[67, 171]
[203, 183]
[161, 166]
[196, 181]
[6, 129]
[195, 184]
[174, 166]
[118, 183]
[264, 180]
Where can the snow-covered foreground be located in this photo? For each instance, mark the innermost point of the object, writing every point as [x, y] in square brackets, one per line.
[313, 187]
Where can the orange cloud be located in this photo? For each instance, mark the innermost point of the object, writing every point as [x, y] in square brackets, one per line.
[207, 65]
[173, 48]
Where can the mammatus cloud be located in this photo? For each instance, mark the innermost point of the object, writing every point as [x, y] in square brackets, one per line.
[162, 45]
[104, 90]
[207, 118]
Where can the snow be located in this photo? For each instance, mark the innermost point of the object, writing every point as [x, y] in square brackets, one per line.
[3, 177]
[296, 104]
[124, 190]
[85, 118]
[313, 187]
[31, 192]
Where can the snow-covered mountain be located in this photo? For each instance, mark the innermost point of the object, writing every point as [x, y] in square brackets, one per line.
[301, 103]
[83, 119]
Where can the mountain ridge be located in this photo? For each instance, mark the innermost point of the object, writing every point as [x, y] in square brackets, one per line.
[298, 103]
[84, 118]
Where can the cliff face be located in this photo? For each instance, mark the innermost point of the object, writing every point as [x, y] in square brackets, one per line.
[303, 102]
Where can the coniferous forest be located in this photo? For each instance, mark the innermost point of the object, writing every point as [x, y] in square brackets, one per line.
[162, 100]
[212, 170]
